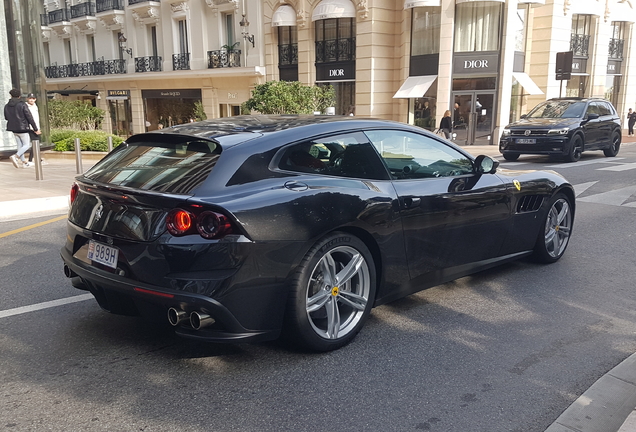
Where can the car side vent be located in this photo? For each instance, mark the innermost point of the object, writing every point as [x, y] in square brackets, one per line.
[529, 203]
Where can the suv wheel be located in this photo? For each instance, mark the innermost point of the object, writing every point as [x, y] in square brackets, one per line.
[511, 156]
[615, 145]
[576, 148]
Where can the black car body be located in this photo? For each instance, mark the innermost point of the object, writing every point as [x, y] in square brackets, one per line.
[237, 229]
[564, 127]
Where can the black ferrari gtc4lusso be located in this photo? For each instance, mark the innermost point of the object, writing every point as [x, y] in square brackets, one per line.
[244, 228]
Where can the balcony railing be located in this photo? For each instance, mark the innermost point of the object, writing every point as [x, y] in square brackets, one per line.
[224, 59]
[288, 54]
[100, 67]
[580, 44]
[181, 61]
[132, 2]
[107, 5]
[59, 15]
[148, 64]
[335, 50]
[44, 20]
[83, 9]
[616, 48]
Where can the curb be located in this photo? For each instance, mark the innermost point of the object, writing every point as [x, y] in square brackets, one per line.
[32, 208]
[605, 406]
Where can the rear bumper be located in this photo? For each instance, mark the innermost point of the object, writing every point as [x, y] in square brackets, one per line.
[124, 296]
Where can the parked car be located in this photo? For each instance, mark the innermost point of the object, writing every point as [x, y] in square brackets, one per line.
[564, 127]
[240, 229]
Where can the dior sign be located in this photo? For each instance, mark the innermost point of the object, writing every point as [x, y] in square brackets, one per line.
[472, 63]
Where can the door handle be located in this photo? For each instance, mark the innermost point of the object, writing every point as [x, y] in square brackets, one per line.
[410, 202]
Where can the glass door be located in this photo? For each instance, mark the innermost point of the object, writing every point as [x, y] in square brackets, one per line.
[473, 114]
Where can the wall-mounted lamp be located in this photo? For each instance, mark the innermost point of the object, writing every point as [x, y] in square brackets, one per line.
[122, 44]
[244, 23]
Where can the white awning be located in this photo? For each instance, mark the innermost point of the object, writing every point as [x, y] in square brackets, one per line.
[410, 4]
[622, 12]
[285, 15]
[333, 9]
[471, 1]
[527, 83]
[415, 87]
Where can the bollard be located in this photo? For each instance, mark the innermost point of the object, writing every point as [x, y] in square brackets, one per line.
[35, 148]
[78, 157]
[110, 144]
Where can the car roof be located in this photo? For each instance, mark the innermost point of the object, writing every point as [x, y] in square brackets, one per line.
[578, 99]
[229, 131]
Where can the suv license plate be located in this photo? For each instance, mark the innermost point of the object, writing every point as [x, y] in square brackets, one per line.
[103, 254]
[526, 141]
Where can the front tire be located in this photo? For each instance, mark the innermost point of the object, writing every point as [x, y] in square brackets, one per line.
[554, 235]
[576, 148]
[332, 293]
[511, 156]
[615, 145]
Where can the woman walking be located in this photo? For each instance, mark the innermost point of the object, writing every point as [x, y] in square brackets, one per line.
[446, 125]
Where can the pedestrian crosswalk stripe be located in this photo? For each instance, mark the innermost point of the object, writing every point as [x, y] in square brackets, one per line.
[615, 197]
[580, 188]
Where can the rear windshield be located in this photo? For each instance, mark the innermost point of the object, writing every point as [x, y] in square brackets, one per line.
[558, 109]
[170, 164]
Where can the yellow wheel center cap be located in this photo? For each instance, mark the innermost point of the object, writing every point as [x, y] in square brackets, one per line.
[334, 291]
[557, 228]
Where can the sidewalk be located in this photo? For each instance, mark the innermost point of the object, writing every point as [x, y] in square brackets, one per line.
[607, 406]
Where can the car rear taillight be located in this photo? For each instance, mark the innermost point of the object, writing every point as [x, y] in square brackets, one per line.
[209, 224]
[213, 225]
[179, 222]
[74, 191]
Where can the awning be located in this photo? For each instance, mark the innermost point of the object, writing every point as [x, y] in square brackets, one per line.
[410, 4]
[285, 15]
[415, 87]
[334, 9]
[527, 83]
[471, 1]
[622, 12]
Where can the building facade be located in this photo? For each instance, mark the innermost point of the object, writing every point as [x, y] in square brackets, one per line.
[487, 62]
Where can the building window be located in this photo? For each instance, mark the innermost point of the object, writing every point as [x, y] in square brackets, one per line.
[288, 53]
[477, 26]
[183, 36]
[425, 31]
[617, 40]
[580, 38]
[91, 46]
[153, 41]
[69, 51]
[228, 26]
[335, 40]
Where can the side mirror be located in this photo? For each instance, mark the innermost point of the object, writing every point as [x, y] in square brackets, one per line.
[485, 164]
[523, 116]
[592, 116]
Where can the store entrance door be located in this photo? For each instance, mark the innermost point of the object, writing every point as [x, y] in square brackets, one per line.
[473, 114]
[120, 117]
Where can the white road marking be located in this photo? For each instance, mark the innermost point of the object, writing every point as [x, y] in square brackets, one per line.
[44, 305]
[579, 163]
[616, 197]
[580, 188]
[621, 167]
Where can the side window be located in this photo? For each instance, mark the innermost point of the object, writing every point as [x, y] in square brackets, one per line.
[604, 109]
[592, 109]
[346, 155]
[412, 156]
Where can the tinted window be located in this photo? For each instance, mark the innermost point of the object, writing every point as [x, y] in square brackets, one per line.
[603, 109]
[592, 109]
[558, 109]
[166, 164]
[347, 155]
[412, 156]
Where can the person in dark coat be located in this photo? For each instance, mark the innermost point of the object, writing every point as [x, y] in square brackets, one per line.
[446, 125]
[20, 121]
[631, 120]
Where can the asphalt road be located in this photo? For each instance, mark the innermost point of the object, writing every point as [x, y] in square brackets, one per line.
[504, 350]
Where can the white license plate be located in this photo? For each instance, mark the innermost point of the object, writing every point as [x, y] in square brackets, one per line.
[103, 254]
[526, 141]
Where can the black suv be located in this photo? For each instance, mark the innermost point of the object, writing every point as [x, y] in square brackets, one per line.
[564, 127]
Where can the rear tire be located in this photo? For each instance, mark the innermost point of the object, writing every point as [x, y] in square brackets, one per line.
[576, 148]
[511, 156]
[332, 294]
[554, 234]
[615, 145]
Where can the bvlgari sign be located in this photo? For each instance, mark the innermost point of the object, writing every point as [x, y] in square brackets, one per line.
[476, 64]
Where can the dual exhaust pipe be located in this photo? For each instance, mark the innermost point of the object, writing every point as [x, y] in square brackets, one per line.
[197, 320]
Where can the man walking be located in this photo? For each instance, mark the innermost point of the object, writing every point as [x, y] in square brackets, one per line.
[19, 118]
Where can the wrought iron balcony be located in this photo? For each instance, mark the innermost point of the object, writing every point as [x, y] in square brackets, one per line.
[224, 59]
[580, 44]
[83, 9]
[148, 64]
[108, 5]
[99, 67]
[288, 54]
[59, 15]
[132, 2]
[335, 50]
[616, 48]
[181, 61]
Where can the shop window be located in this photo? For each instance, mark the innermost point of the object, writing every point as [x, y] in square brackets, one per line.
[477, 26]
[425, 30]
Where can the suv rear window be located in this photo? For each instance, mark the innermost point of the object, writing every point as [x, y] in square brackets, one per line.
[158, 163]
